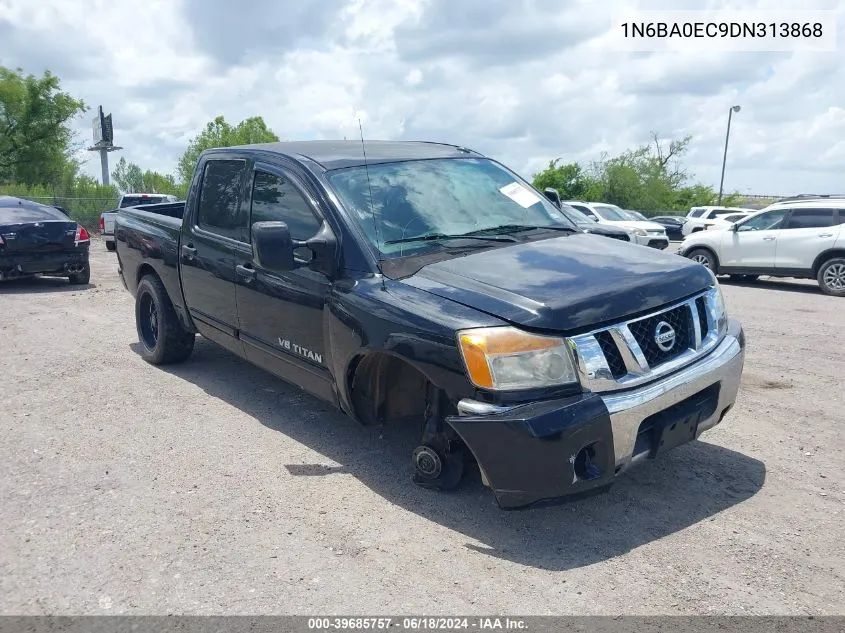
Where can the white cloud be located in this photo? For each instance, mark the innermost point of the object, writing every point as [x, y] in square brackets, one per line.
[523, 81]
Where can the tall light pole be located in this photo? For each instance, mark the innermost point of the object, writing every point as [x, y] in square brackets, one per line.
[731, 110]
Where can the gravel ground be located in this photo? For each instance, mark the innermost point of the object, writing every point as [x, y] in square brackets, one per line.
[214, 488]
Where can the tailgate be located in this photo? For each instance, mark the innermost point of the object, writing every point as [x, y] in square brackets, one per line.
[108, 222]
[38, 237]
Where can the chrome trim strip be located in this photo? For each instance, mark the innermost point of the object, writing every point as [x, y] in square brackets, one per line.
[696, 324]
[474, 407]
[631, 352]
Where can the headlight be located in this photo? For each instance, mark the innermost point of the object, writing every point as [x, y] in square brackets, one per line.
[640, 232]
[718, 310]
[507, 358]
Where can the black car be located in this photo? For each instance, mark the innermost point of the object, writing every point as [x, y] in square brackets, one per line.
[35, 238]
[673, 224]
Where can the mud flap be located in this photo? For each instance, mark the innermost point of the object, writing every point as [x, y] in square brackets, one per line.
[544, 451]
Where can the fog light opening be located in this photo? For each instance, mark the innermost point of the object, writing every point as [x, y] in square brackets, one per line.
[584, 466]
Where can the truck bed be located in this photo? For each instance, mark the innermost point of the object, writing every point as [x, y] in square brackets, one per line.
[148, 237]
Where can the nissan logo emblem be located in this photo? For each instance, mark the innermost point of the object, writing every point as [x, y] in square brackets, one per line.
[664, 336]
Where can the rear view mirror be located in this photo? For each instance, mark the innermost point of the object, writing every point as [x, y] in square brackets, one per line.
[272, 246]
[553, 195]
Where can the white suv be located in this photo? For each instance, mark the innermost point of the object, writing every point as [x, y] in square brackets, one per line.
[703, 218]
[642, 232]
[799, 237]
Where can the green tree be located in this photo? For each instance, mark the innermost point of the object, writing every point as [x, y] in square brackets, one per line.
[128, 177]
[570, 180]
[35, 136]
[219, 133]
[650, 178]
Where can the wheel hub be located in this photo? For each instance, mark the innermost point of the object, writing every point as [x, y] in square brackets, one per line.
[834, 277]
[427, 462]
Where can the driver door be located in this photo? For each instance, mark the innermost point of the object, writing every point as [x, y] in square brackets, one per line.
[754, 242]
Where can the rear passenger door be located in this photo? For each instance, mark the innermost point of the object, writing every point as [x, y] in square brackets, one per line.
[281, 314]
[806, 233]
[208, 250]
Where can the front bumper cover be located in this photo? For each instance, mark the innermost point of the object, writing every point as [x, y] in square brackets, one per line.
[557, 450]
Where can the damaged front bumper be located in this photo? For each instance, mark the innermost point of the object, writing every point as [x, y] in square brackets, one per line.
[572, 447]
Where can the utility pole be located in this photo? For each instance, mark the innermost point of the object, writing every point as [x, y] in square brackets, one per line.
[103, 141]
[731, 110]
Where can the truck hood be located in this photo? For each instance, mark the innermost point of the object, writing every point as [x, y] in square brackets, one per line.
[564, 283]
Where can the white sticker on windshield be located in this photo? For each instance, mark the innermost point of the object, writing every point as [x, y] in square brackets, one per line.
[520, 194]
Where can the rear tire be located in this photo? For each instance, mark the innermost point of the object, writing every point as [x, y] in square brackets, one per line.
[162, 337]
[111, 246]
[704, 257]
[831, 277]
[82, 277]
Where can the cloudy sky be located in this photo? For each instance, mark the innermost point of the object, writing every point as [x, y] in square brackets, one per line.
[524, 81]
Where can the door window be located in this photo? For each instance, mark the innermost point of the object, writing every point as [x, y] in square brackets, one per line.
[811, 218]
[275, 199]
[220, 197]
[764, 222]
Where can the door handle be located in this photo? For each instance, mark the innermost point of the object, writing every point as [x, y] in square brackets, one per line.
[768, 239]
[825, 234]
[188, 252]
[245, 272]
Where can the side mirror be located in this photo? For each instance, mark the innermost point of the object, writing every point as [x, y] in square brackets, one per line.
[324, 247]
[553, 195]
[733, 227]
[272, 246]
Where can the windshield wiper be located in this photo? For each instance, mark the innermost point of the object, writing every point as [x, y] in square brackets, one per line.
[455, 236]
[515, 228]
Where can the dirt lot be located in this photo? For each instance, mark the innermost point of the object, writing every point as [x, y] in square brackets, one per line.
[213, 487]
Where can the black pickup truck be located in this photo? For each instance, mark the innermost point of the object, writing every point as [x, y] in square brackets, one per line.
[424, 283]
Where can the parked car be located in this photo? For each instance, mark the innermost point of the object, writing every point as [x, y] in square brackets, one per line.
[40, 239]
[392, 290]
[801, 238]
[673, 224]
[128, 200]
[642, 232]
[703, 218]
[635, 215]
[583, 222]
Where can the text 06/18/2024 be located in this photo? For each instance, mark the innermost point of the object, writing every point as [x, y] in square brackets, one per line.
[741, 30]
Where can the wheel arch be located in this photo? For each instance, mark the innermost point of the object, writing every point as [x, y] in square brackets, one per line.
[146, 269]
[824, 256]
[383, 386]
[710, 250]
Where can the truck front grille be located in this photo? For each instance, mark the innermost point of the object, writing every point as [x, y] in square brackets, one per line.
[639, 350]
[679, 319]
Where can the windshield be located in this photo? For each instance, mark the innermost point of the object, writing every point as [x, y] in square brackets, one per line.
[447, 197]
[610, 212]
[635, 215]
[136, 201]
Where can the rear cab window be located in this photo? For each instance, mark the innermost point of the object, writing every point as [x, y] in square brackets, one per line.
[137, 201]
